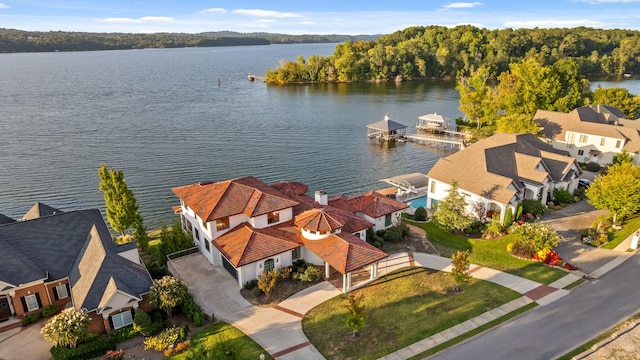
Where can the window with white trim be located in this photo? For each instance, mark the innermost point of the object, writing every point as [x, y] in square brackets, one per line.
[121, 319]
[32, 302]
[62, 292]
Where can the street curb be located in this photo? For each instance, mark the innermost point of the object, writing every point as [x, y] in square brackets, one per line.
[606, 341]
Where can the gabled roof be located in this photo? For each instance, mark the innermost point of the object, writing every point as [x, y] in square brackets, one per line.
[598, 120]
[39, 210]
[247, 195]
[75, 244]
[371, 203]
[4, 219]
[344, 252]
[495, 167]
[245, 244]
[329, 219]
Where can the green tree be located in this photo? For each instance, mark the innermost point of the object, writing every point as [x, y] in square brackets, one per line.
[356, 317]
[622, 157]
[617, 191]
[517, 124]
[451, 211]
[121, 205]
[140, 233]
[460, 268]
[167, 293]
[420, 214]
[619, 98]
[174, 239]
[66, 328]
[476, 95]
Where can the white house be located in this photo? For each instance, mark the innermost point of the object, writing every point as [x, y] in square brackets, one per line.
[247, 227]
[503, 170]
[591, 133]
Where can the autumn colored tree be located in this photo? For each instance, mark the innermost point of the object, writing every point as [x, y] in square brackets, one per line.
[267, 281]
[460, 268]
[476, 95]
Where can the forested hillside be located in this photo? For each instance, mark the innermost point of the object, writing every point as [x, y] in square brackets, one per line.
[37, 41]
[438, 51]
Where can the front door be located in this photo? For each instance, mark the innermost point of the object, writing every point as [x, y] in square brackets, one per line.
[5, 310]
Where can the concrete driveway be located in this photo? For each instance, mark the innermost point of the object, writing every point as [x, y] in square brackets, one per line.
[569, 222]
[25, 344]
[277, 329]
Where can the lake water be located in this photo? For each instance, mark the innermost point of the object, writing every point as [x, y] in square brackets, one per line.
[177, 116]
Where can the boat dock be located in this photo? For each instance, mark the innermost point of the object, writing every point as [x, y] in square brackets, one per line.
[451, 142]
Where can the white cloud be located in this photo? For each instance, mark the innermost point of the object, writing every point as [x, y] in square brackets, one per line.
[266, 21]
[461, 5]
[554, 23]
[142, 20]
[266, 13]
[213, 11]
[4, 6]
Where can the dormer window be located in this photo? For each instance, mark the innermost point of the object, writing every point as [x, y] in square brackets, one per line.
[222, 223]
[273, 217]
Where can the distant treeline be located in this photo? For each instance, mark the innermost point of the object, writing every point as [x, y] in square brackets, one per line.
[438, 51]
[39, 41]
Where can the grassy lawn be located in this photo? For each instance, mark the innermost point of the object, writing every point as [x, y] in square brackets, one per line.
[403, 307]
[630, 226]
[222, 341]
[489, 253]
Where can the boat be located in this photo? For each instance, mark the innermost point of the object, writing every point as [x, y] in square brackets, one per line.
[433, 122]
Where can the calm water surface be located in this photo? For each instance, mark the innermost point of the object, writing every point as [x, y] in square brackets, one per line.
[173, 117]
[177, 116]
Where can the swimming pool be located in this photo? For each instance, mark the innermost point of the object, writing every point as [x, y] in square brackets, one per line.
[417, 202]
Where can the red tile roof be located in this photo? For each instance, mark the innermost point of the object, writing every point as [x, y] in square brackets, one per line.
[291, 187]
[246, 195]
[244, 244]
[328, 219]
[345, 252]
[370, 203]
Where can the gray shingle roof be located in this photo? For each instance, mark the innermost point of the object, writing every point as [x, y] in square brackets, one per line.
[39, 210]
[4, 219]
[54, 246]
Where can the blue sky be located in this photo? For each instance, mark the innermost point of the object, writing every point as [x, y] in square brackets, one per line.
[310, 17]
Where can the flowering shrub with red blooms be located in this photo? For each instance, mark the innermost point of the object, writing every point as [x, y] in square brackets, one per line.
[552, 258]
[115, 354]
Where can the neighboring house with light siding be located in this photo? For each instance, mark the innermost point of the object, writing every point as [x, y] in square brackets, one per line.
[503, 170]
[591, 133]
[69, 259]
[247, 227]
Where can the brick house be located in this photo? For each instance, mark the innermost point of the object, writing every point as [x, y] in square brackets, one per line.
[69, 259]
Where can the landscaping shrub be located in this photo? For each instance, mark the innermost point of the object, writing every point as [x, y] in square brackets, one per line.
[193, 311]
[534, 207]
[593, 167]
[370, 234]
[184, 332]
[25, 321]
[377, 244]
[49, 311]
[34, 317]
[163, 340]
[493, 228]
[124, 334]
[378, 239]
[420, 214]
[249, 285]
[257, 292]
[91, 337]
[392, 235]
[143, 324]
[84, 351]
[311, 274]
[508, 218]
[562, 196]
[380, 233]
[475, 227]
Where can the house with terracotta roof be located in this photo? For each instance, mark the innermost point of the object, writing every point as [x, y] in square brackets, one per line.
[501, 171]
[69, 259]
[247, 227]
[591, 133]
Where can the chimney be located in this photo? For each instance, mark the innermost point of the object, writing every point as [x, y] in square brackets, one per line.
[321, 198]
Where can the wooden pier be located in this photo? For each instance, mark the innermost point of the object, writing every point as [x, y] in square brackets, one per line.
[451, 142]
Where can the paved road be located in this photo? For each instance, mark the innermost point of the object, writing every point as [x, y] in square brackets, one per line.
[555, 329]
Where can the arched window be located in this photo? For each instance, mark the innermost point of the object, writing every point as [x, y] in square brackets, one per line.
[268, 265]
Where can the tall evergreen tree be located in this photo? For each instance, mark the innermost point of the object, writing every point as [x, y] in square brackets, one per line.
[451, 212]
[121, 205]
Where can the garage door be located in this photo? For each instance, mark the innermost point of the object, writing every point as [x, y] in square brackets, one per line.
[227, 265]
